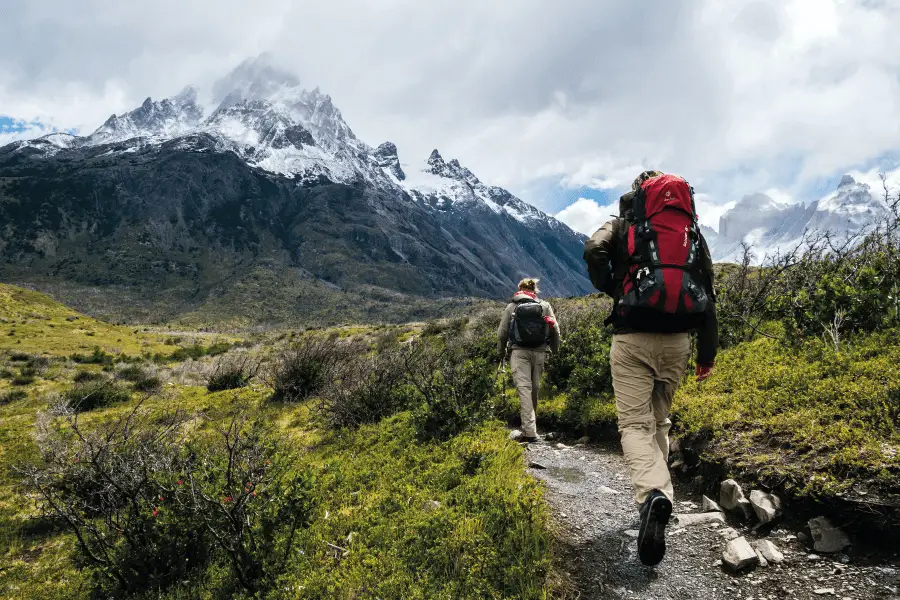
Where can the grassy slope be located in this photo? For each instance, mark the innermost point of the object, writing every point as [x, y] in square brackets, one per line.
[33, 323]
[822, 421]
[486, 537]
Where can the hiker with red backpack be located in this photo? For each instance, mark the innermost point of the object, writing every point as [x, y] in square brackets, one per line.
[529, 329]
[654, 263]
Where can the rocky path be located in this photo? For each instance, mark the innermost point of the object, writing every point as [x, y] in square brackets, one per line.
[590, 494]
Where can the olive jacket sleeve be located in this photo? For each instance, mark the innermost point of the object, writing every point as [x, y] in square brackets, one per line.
[599, 252]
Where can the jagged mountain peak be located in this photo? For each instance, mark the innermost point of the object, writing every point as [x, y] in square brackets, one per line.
[385, 156]
[846, 180]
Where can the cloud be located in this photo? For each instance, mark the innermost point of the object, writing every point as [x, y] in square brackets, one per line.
[722, 92]
[586, 215]
[13, 130]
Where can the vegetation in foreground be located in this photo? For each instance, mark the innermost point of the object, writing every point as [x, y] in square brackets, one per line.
[110, 489]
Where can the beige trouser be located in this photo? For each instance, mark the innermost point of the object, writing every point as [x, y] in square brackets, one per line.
[646, 371]
[527, 366]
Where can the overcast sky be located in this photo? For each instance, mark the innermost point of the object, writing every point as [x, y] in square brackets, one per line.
[558, 101]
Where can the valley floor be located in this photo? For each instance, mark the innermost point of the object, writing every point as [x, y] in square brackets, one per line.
[589, 492]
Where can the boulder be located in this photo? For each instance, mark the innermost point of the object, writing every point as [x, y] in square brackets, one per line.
[710, 505]
[731, 498]
[515, 434]
[826, 536]
[769, 551]
[738, 555]
[729, 534]
[766, 506]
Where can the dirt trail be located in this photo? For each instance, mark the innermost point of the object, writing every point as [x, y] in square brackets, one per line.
[590, 494]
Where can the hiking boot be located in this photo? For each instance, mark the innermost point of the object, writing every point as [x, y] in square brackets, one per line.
[529, 439]
[655, 513]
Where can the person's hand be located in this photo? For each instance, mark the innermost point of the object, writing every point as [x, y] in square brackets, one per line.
[703, 372]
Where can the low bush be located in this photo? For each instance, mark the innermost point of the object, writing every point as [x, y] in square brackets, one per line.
[232, 374]
[367, 389]
[90, 395]
[151, 506]
[19, 357]
[453, 392]
[97, 357]
[12, 396]
[26, 376]
[132, 373]
[83, 376]
[306, 367]
[149, 384]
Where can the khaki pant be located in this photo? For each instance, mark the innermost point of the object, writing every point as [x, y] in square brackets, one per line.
[527, 366]
[646, 370]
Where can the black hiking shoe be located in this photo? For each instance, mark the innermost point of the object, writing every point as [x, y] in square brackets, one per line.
[529, 439]
[655, 513]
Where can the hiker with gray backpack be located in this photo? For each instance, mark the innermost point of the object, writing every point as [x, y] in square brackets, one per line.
[528, 329]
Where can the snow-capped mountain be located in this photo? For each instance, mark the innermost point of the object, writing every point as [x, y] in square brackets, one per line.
[770, 226]
[206, 187]
[263, 115]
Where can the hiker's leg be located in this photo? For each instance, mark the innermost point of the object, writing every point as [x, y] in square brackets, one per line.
[672, 355]
[537, 369]
[633, 376]
[520, 363]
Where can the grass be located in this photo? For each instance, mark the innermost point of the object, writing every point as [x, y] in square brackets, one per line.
[824, 422]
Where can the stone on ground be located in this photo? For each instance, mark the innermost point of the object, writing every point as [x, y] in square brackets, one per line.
[766, 506]
[738, 555]
[699, 518]
[710, 505]
[769, 551]
[729, 533]
[827, 537]
[731, 497]
[515, 434]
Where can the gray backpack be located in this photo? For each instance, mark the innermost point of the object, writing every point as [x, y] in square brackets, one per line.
[527, 327]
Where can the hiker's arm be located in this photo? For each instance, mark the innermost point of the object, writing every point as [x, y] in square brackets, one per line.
[597, 252]
[555, 337]
[503, 333]
[708, 335]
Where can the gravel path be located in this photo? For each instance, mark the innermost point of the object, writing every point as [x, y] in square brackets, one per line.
[589, 491]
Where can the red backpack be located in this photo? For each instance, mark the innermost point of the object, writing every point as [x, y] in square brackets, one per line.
[662, 251]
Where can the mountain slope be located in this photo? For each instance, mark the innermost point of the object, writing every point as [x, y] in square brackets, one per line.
[164, 207]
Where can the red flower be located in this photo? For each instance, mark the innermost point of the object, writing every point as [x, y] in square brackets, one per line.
[155, 512]
[180, 482]
[227, 499]
[161, 499]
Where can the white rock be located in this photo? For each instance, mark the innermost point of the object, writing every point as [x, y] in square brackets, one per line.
[738, 555]
[766, 506]
[824, 592]
[762, 559]
[609, 490]
[729, 534]
[710, 505]
[515, 434]
[769, 551]
[562, 446]
[731, 497]
[826, 536]
[687, 520]
[632, 533]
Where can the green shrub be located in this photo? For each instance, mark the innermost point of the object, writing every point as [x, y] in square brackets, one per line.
[306, 367]
[231, 375]
[148, 384]
[12, 396]
[132, 373]
[154, 507]
[90, 395]
[366, 390]
[454, 393]
[97, 357]
[83, 376]
[19, 357]
[26, 376]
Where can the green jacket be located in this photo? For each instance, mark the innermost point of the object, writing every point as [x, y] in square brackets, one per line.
[603, 253]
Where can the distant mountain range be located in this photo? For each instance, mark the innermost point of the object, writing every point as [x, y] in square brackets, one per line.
[173, 211]
[769, 225]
